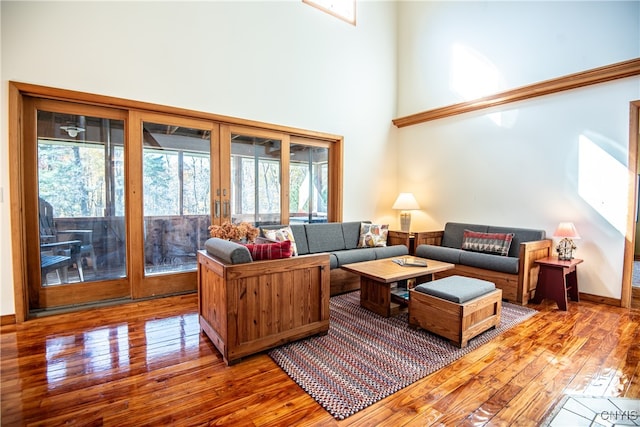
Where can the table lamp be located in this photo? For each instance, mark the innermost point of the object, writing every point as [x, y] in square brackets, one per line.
[565, 247]
[405, 203]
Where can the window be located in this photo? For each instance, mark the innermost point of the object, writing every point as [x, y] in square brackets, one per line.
[255, 180]
[80, 166]
[308, 181]
[343, 9]
[177, 196]
[266, 167]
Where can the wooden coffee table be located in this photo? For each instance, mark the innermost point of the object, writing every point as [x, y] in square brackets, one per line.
[377, 278]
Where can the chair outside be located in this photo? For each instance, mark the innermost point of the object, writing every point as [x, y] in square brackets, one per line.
[55, 263]
[59, 255]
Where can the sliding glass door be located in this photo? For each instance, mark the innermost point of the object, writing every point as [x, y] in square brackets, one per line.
[78, 252]
[276, 178]
[255, 179]
[176, 179]
[308, 180]
[112, 199]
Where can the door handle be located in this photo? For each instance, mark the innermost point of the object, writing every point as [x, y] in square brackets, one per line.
[225, 212]
[216, 209]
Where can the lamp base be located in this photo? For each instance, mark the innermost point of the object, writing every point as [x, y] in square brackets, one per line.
[405, 221]
[565, 249]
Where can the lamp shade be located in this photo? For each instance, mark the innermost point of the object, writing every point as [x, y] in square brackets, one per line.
[567, 230]
[405, 202]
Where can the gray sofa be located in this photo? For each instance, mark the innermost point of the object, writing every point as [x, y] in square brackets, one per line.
[516, 273]
[340, 240]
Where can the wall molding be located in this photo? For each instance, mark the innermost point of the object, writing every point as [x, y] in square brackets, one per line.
[615, 302]
[593, 76]
[7, 319]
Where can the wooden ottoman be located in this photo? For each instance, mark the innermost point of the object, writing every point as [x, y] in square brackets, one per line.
[457, 308]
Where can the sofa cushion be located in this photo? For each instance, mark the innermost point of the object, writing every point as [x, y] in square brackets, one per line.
[333, 261]
[439, 253]
[373, 235]
[325, 237]
[458, 289]
[390, 251]
[228, 251]
[349, 256]
[302, 247]
[454, 233]
[490, 243]
[489, 262]
[351, 233]
[281, 234]
[299, 235]
[262, 251]
[520, 235]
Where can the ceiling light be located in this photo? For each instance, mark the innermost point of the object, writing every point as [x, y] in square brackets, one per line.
[72, 130]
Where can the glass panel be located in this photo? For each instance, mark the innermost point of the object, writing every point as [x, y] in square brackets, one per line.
[308, 183]
[177, 194]
[255, 180]
[81, 198]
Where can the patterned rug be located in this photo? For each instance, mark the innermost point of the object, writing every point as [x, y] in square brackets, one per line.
[365, 357]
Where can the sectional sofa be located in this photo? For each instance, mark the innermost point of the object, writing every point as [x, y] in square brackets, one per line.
[247, 306]
[340, 240]
[511, 267]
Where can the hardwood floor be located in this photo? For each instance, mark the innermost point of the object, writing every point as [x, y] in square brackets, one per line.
[147, 363]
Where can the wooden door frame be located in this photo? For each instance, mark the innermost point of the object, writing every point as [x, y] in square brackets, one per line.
[629, 244]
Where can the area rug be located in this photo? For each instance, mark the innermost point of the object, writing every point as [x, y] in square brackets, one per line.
[365, 357]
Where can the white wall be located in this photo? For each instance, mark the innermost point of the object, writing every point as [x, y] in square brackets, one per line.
[278, 62]
[547, 160]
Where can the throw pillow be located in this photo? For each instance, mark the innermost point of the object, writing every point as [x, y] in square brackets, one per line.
[282, 234]
[372, 235]
[262, 251]
[490, 243]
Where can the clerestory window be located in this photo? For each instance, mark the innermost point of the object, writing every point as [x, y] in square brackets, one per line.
[342, 9]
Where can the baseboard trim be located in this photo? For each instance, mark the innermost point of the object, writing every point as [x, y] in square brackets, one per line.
[616, 302]
[7, 319]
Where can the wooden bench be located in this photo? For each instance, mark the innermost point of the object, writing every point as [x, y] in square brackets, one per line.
[457, 308]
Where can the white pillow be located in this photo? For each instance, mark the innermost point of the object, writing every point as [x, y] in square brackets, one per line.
[280, 235]
[372, 235]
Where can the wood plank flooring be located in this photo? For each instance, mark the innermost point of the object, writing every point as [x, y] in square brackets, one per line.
[147, 363]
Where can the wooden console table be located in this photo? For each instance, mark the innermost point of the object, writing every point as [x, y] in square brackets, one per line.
[557, 280]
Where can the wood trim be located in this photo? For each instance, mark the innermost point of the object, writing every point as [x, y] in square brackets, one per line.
[285, 178]
[8, 319]
[16, 192]
[336, 180]
[632, 202]
[335, 14]
[607, 73]
[109, 101]
[600, 299]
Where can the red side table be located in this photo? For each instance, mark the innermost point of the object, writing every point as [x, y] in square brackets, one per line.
[556, 280]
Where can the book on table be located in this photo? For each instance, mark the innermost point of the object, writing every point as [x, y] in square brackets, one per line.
[402, 293]
[410, 262]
